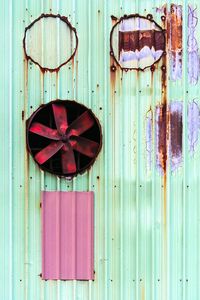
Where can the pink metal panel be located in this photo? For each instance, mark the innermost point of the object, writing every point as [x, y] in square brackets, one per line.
[67, 235]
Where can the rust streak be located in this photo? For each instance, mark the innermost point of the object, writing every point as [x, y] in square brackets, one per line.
[113, 71]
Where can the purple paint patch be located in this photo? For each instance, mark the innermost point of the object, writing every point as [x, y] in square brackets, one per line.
[192, 47]
[149, 129]
[161, 10]
[176, 128]
[193, 125]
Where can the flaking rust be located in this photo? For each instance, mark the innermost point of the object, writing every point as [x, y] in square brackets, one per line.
[176, 132]
[136, 42]
[113, 71]
[174, 30]
[175, 36]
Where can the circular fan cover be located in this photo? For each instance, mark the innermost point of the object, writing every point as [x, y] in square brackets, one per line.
[64, 137]
[50, 41]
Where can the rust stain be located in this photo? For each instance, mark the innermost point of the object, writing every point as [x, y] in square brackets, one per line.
[113, 71]
[174, 29]
[175, 40]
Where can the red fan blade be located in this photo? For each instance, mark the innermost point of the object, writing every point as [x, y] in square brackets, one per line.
[68, 160]
[60, 117]
[84, 146]
[44, 131]
[46, 153]
[81, 124]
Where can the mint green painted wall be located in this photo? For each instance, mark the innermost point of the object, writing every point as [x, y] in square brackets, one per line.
[137, 256]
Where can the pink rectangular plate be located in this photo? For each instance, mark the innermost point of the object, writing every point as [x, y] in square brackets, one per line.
[68, 235]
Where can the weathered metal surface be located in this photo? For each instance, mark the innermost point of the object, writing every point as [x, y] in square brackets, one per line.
[147, 228]
[68, 235]
[137, 42]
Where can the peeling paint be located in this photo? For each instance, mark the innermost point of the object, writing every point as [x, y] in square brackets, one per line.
[174, 38]
[174, 33]
[169, 129]
[193, 47]
[137, 42]
[193, 125]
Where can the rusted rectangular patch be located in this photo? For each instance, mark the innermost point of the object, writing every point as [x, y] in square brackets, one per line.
[175, 40]
[67, 235]
[136, 40]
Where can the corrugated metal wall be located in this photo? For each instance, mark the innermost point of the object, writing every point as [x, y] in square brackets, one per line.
[147, 237]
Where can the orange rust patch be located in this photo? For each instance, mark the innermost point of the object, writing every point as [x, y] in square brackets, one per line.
[174, 29]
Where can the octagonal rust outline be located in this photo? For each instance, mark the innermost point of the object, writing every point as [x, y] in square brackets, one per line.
[65, 20]
[125, 17]
[88, 166]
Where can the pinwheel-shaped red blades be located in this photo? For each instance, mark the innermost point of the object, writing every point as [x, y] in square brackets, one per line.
[66, 138]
